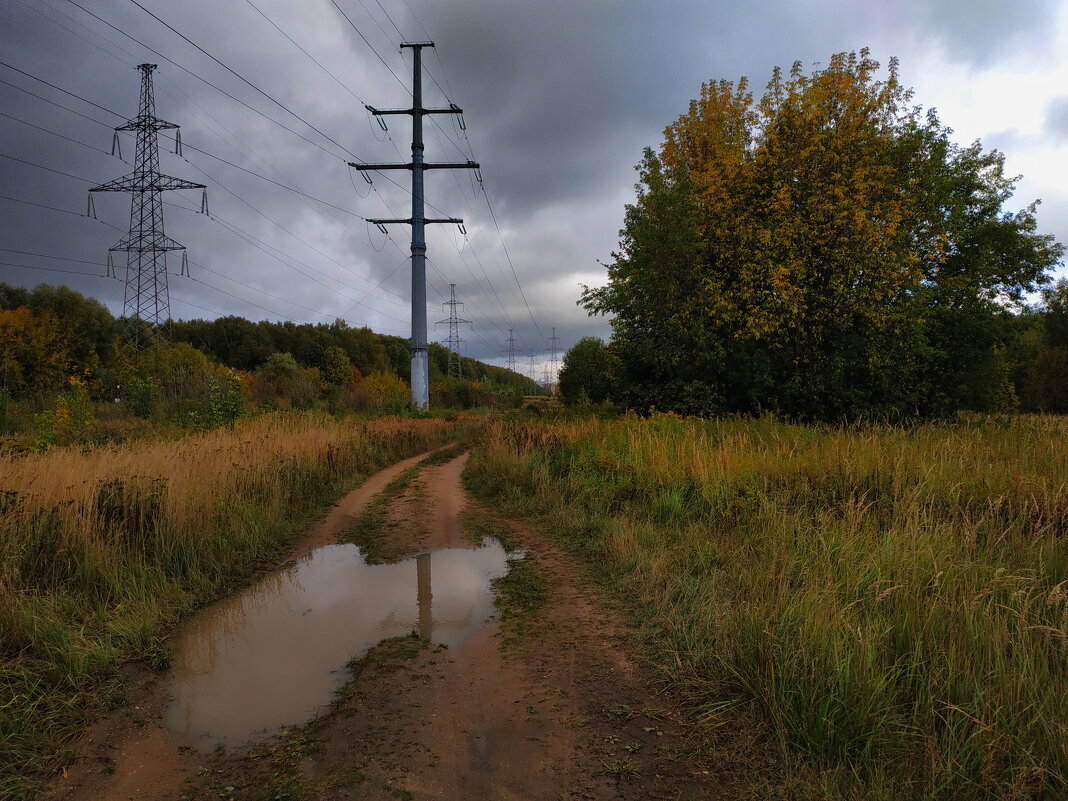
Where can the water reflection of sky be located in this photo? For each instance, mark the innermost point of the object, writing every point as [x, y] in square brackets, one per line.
[274, 655]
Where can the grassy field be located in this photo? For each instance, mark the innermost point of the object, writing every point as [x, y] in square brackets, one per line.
[884, 609]
[103, 550]
[888, 607]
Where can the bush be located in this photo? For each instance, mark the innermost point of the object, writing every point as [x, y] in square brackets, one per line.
[383, 391]
[141, 396]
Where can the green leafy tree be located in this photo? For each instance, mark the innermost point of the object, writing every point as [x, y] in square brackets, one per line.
[141, 396]
[225, 402]
[34, 354]
[825, 251]
[282, 379]
[336, 369]
[587, 372]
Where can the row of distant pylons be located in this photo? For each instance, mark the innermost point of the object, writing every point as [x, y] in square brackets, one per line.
[454, 341]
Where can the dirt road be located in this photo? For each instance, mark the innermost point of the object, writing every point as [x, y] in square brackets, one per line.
[544, 700]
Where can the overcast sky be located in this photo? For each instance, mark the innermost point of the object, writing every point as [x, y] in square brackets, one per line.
[560, 97]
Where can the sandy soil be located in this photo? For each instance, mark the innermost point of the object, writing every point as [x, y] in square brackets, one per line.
[548, 707]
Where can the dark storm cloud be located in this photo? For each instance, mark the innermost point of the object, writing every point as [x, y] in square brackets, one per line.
[985, 31]
[560, 98]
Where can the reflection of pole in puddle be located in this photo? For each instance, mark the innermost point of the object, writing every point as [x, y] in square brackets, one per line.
[424, 596]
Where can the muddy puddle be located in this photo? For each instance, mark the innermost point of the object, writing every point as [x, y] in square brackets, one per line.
[274, 655]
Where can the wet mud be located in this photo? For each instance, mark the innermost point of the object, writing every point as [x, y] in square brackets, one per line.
[274, 655]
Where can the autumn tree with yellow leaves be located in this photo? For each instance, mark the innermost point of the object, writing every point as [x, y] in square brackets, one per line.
[824, 251]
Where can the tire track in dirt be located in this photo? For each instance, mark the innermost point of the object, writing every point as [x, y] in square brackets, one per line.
[541, 706]
[537, 709]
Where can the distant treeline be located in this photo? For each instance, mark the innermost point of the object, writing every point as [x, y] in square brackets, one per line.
[49, 335]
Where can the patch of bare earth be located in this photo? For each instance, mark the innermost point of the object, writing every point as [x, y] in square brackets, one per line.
[540, 707]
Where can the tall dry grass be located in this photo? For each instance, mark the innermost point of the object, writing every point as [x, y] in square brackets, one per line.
[890, 604]
[101, 551]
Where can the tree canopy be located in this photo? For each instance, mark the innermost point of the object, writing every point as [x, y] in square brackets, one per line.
[824, 251]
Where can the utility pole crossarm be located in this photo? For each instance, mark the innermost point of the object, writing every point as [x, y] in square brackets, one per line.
[155, 183]
[454, 220]
[381, 112]
[452, 165]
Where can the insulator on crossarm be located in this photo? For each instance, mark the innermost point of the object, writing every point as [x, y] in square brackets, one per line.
[459, 117]
[90, 209]
[382, 228]
[204, 203]
[116, 145]
[185, 265]
[374, 113]
[462, 229]
[177, 141]
[111, 266]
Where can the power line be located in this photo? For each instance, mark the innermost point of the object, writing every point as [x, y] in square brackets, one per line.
[56, 208]
[195, 264]
[185, 147]
[56, 133]
[43, 167]
[508, 256]
[55, 103]
[234, 229]
[50, 269]
[205, 81]
[242, 78]
[46, 83]
[368, 43]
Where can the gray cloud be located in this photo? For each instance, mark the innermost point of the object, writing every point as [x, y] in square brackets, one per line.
[560, 98]
[985, 31]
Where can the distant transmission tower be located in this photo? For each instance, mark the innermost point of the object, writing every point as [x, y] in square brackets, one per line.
[453, 341]
[554, 347]
[532, 373]
[147, 301]
[511, 349]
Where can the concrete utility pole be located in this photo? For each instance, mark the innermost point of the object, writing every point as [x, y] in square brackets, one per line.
[511, 349]
[147, 302]
[453, 341]
[419, 347]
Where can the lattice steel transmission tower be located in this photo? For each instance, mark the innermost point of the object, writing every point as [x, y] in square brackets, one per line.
[147, 301]
[554, 347]
[453, 341]
[511, 349]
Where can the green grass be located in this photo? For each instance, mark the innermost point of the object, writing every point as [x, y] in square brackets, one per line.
[888, 605]
[521, 592]
[370, 533]
[479, 524]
